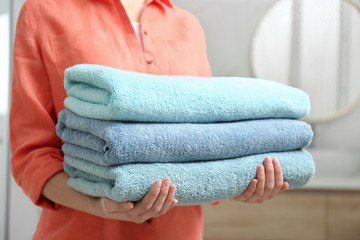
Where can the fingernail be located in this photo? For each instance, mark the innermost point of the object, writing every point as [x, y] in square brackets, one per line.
[127, 205]
[268, 160]
[261, 169]
[276, 162]
[172, 191]
[158, 184]
[166, 182]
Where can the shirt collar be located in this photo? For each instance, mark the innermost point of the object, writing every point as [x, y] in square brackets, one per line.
[166, 2]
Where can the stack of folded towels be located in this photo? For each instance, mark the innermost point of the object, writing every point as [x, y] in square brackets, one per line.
[124, 130]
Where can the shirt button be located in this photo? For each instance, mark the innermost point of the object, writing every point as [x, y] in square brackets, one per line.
[150, 61]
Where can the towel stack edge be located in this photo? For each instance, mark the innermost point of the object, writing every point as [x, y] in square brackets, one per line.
[123, 130]
[145, 97]
[197, 182]
[111, 142]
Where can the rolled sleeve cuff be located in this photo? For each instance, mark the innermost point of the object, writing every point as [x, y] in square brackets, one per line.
[35, 178]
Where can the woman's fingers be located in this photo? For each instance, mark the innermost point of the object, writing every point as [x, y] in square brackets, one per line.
[269, 181]
[156, 202]
[111, 206]
[164, 198]
[284, 186]
[279, 179]
[249, 192]
[269, 178]
[169, 202]
[259, 192]
[174, 202]
[147, 202]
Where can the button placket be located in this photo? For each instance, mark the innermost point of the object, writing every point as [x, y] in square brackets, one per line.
[146, 43]
[149, 60]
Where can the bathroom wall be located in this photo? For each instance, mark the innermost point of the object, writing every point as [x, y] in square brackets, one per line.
[229, 27]
[3, 179]
[4, 75]
[23, 215]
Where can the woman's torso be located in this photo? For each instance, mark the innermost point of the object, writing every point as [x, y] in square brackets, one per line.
[98, 32]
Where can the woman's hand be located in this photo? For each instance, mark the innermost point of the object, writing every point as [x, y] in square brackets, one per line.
[156, 202]
[269, 181]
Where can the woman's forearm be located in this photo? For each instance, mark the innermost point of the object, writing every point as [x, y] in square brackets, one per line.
[156, 203]
[57, 190]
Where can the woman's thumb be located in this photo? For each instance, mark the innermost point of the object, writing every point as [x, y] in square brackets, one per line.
[112, 206]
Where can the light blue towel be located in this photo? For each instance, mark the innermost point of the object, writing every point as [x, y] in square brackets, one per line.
[197, 182]
[112, 143]
[106, 93]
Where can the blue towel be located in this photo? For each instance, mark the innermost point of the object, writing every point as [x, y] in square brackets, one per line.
[112, 143]
[197, 182]
[106, 93]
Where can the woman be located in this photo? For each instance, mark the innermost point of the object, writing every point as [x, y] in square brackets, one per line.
[149, 36]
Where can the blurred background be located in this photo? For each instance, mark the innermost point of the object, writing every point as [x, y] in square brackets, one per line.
[310, 44]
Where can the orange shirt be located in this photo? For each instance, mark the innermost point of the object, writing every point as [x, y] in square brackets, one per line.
[52, 35]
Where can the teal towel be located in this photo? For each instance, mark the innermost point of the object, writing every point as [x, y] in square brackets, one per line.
[197, 182]
[112, 143]
[106, 93]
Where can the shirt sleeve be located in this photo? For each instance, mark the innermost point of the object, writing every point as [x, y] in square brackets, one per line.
[35, 147]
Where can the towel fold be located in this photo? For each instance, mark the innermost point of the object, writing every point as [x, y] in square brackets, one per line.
[112, 143]
[197, 182]
[106, 93]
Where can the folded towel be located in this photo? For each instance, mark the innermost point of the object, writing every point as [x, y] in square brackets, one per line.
[197, 182]
[112, 143]
[111, 94]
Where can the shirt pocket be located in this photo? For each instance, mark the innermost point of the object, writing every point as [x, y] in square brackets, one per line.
[91, 46]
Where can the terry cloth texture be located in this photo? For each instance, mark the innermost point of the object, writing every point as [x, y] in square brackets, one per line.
[112, 143]
[197, 182]
[106, 93]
